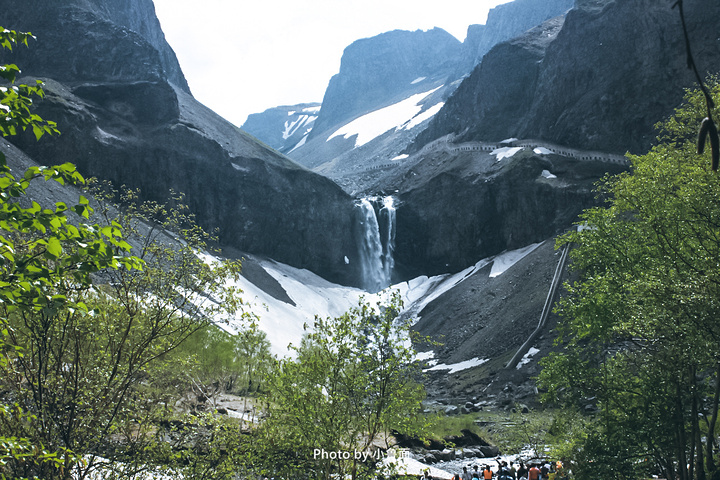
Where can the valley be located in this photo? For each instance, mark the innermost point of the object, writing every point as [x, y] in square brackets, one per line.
[434, 173]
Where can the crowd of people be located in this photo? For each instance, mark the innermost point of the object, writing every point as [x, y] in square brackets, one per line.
[505, 471]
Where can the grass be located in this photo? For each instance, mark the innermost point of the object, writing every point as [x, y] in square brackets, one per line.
[511, 432]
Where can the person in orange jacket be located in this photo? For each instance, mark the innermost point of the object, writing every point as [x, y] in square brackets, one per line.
[487, 473]
[534, 473]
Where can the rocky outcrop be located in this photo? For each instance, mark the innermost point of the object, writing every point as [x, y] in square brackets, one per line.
[496, 96]
[506, 22]
[95, 40]
[379, 71]
[126, 115]
[610, 74]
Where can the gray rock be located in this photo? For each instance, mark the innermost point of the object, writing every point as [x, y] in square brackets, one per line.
[374, 71]
[490, 451]
[283, 128]
[446, 455]
[452, 410]
[507, 21]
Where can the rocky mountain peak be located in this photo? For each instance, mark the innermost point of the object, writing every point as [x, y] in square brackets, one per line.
[283, 128]
[379, 71]
[507, 21]
[119, 97]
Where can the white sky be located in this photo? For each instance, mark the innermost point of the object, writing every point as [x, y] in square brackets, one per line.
[242, 57]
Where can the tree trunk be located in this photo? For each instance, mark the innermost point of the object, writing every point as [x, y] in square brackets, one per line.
[697, 441]
[710, 464]
[681, 441]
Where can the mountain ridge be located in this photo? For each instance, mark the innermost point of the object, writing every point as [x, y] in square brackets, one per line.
[613, 70]
[127, 118]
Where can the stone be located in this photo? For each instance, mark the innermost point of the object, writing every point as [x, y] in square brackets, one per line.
[452, 410]
[490, 451]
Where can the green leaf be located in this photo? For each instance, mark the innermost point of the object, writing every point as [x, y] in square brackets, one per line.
[54, 248]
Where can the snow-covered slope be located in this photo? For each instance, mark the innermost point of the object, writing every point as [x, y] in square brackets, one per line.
[307, 295]
[283, 128]
[357, 151]
[403, 115]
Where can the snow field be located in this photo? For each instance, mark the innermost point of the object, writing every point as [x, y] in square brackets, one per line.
[398, 116]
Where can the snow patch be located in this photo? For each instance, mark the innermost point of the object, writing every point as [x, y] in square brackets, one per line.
[458, 367]
[239, 168]
[509, 140]
[506, 260]
[417, 80]
[541, 151]
[292, 127]
[300, 143]
[104, 136]
[427, 114]
[527, 357]
[505, 152]
[423, 356]
[547, 174]
[284, 323]
[404, 465]
[374, 124]
[401, 157]
[312, 109]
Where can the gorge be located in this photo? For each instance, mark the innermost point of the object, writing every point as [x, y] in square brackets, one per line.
[414, 206]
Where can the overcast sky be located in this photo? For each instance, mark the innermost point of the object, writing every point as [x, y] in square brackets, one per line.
[245, 56]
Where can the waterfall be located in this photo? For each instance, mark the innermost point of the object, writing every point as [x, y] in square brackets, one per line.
[387, 219]
[377, 241]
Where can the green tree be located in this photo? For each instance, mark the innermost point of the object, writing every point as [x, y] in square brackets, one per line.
[212, 362]
[31, 267]
[84, 316]
[640, 327]
[81, 370]
[352, 382]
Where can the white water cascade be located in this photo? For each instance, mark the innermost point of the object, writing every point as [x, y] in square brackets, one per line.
[377, 241]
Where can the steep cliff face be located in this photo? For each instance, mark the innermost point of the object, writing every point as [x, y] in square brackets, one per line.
[457, 206]
[95, 40]
[379, 71]
[496, 96]
[126, 117]
[508, 21]
[612, 71]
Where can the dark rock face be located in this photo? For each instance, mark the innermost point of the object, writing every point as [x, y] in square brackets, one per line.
[508, 21]
[611, 72]
[127, 117]
[491, 101]
[95, 40]
[378, 71]
[283, 128]
[456, 208]
[490, 318]
[614, 72]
